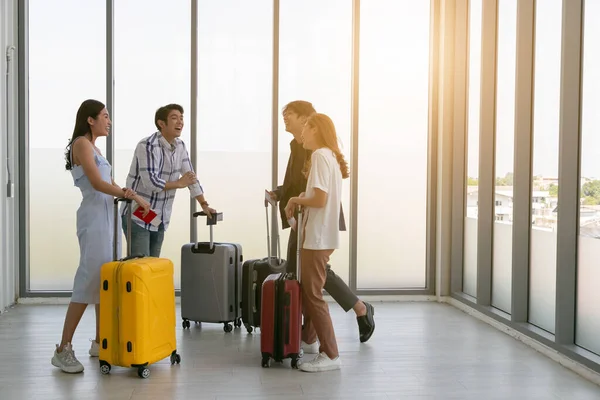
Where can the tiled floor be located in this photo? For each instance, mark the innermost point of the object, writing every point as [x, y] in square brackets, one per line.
[419, 351]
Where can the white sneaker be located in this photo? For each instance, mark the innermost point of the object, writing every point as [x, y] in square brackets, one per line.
[95, 349]
[312, 348]
[66, 360]
[321, 363]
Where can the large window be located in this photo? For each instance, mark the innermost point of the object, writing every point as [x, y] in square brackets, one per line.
[152, 69]
[315, 65]
[472, 195]
[588, 297]
[393, 132]
[235, 40]
[505, 138]
[66, 66]
[544, 200]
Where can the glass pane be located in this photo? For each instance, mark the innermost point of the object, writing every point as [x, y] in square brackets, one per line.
[588, 297]
[472, 195]
[150, 74]
[393, 133]
[546, 111]
[505, 139]
[316, 66]
[234, 117]
[64, 70]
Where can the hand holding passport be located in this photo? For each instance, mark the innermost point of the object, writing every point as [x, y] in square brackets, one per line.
[150, 218]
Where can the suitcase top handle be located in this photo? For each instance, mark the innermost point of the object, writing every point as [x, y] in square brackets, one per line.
[216, 216]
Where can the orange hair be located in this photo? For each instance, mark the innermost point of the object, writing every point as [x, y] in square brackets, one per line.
[326, 137]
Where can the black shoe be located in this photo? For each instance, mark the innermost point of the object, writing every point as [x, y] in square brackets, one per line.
[366, 323]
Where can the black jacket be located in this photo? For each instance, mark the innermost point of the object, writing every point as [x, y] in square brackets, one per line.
[294, 182]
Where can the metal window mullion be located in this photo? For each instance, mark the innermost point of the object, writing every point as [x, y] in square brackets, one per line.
[444, 163]
[353, 225]
[459, 149]
[193, 108]
[432, 147]
[521, 225]
[23, 182]
[275, 124]
[110, 81]
[487, 143]
[568, 171]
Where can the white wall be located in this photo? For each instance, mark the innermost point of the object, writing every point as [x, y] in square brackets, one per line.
[8, 231]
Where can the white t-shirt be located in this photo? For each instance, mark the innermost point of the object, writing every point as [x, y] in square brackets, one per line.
[322, 230]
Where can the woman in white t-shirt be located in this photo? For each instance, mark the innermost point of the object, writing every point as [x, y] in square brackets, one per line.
[326, 168]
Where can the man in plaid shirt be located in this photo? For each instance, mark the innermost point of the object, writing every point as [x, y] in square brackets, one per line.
[161, 165]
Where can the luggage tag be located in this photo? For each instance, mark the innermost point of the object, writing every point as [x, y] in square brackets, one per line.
[292, 222]
[269, 199]
[216, 217]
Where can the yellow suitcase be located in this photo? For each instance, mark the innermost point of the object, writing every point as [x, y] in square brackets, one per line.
[137, 311]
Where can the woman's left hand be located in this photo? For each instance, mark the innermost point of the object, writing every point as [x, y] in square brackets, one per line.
[128, 193]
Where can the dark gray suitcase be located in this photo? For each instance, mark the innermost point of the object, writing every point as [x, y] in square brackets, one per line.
[254, 272]
[211, 281]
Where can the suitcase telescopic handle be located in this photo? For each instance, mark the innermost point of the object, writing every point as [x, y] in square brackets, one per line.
[275, 232]
[216, 217]
[300, 234]
[116, 226]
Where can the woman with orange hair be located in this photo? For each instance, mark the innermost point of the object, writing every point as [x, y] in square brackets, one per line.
[325, 168]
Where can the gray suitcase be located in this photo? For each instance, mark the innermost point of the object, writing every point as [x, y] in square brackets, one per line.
[211, 276]
[254, 273]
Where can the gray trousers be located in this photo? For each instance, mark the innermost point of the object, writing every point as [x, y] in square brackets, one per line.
[334, 285]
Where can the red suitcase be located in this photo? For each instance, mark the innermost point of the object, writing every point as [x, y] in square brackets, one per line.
[281, 314]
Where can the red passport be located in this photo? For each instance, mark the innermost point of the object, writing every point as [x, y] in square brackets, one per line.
[139, 212]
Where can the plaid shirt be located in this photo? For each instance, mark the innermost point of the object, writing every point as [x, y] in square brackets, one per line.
[155, 163]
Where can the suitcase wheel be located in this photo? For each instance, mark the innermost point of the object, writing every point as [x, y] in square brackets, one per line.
[295, 362]
[238, 323]
[175, 358]
[249, 328]
[185, 323]
[227, 327]
[104, 367]
[266, 362]
[143, 372]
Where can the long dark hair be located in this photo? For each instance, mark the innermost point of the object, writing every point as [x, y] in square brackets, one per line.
[89, 108]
